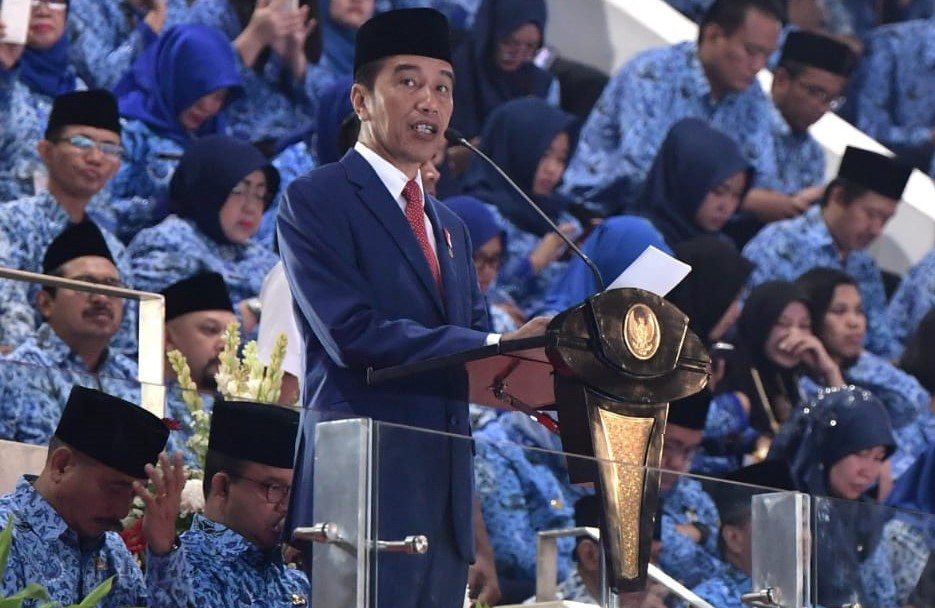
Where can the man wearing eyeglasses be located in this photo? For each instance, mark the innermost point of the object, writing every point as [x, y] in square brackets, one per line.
[812, 73]
[72, 346]
[234, 549]
[81, 150]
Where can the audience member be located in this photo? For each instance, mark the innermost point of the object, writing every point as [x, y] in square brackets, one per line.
[72, 346]
[235, 549]
[531, 141]
[99, 458]
[918, 358]
[713, 79]
[217, 195]
[913, 299]
[107, 36]
[340, 20]
[836, 447]
[81, 151]
[695, 184]
[277, 316]
[839, 322]
[854, 209]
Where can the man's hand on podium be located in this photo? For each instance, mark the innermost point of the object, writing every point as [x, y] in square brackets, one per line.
[532, 328]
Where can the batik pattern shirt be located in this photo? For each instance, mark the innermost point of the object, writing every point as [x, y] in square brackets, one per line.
[725, 589]
[105, 37]
[784, 250]
[460, 13]
[46, 551]
[914, 297]
[800, 159]
[27, 228]
[641, 102]
[38, 376]
[681, 557]
[228, 570]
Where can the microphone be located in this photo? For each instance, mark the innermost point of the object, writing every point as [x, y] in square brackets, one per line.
[454, 137]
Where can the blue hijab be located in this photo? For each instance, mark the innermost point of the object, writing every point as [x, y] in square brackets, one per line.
[48, 72]
[481, 85]
[613, 246]
[479, 219]
[338, 42]
[210, 168]
[693, 160]
[914, 491]
[333, 108]
[186, 63]
[516, 136]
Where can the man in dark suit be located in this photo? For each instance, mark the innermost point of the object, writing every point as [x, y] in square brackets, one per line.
[381, 279]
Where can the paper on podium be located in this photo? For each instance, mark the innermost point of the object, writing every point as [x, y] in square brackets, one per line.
[15, 15]
[655, 271]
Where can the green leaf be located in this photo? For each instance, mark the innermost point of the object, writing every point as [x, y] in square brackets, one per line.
[6, 540]
[96, 595]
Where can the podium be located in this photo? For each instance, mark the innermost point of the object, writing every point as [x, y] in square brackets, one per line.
[609, 366]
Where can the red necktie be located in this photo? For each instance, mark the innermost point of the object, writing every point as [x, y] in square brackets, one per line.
[416, 217]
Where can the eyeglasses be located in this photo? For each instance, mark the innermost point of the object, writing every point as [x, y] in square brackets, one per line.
[53, 5]
[85, 144]
[519, 48]
[481, 260]
[105, 281]
[246, 194]
[822, 96]
[275, 492]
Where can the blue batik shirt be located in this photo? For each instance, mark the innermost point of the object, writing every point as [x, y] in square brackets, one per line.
[38, 377]
[681, 557]
[641, 102]
[725, 588]
[176, 249]
[46, 551]
[800, 159]
[693, 9]
[914, 297]
[27, 228]
[727, 437]
[228, 570]
[460, 13]
[105, 37]
[894, 101]
[784, 250]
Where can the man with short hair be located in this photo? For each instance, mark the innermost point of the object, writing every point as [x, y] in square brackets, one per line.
[73, 344]
[713, 79]
[234, 549]
[81, 150]
[854, 209]
[100, 456]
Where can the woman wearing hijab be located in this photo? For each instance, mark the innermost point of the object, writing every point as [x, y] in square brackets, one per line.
[612, 246]
[340, 20]
[30, 78]
[531, 141]
[760, 390]
[836, 447]
[494, 65]
[841, 325]
[217, 196]
[695, 184]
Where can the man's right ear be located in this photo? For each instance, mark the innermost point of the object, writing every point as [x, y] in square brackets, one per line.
[44, 301]
[358, 97]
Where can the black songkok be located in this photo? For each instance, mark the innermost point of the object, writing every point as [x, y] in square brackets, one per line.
[818, 51]
[77, 240]
[882, 174]
[255, 432]
[114, 432]
[203, 291]
[411, 31]
[691, 412]
[733, 500]
[93, 108]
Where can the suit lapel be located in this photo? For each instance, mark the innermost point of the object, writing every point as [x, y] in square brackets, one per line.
[377, 199]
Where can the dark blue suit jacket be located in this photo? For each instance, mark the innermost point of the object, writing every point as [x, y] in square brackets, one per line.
[365, 296]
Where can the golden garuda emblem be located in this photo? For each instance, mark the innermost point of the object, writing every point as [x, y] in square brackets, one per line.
[641, 332]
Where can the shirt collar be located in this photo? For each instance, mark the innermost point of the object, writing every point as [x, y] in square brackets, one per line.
[34, 514]
[60, 353]
[394, 179]
[232, 545]
[815, 228]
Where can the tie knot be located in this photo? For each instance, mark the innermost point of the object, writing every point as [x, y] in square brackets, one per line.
[412, 194]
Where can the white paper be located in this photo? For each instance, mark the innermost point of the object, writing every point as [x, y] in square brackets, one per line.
[655, 271]
[15, 15]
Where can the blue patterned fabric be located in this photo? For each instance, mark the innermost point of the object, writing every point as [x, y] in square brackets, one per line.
[27, 226]
[641, 102]
[178, 410]
[725, 588]
[107, 36]
[228, 570]
[47, 551]
[573, 589]
[894, 99]
[914, 297]
[727, 436]
[38, 376]
[460, 13]
[176, 249]
[800, 159]
[693, 9]
[681, 557]
[786, 249]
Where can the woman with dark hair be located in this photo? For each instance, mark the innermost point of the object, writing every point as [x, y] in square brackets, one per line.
[841, 325]
[695, 184]
[836, 447]
[760, 390]
[531, 141]
[216, 196]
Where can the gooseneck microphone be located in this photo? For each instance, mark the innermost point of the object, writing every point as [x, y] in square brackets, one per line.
[454, 137]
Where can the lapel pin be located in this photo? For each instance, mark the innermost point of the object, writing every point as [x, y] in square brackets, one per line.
[451, 251]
